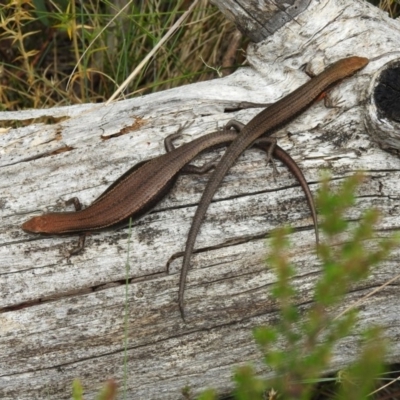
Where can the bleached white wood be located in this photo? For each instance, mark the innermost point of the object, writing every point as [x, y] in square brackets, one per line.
[63, 319]
[260, 19]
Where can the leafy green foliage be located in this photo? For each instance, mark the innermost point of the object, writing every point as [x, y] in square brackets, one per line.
[77, 390]
[108, 392]
[359, 377]
[248, 385]
[209, 394]
[300, 346]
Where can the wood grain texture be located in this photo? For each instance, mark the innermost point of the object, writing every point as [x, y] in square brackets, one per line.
[64, 319]
[259, 20]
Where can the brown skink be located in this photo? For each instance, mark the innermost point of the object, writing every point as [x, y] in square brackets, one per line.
[140, 188]
[264, 123]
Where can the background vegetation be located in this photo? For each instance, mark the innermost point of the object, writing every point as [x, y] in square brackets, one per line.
[59, 52]
[62, 52]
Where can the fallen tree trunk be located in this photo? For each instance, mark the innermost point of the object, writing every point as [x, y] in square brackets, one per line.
[64, 318]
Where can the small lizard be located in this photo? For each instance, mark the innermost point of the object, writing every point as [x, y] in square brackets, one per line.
[263, 123]
[140, 188]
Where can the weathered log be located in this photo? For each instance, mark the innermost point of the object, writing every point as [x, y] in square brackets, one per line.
[64, 318]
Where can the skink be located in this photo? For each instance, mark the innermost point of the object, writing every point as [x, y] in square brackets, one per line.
[263, 123]
[140, 188]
